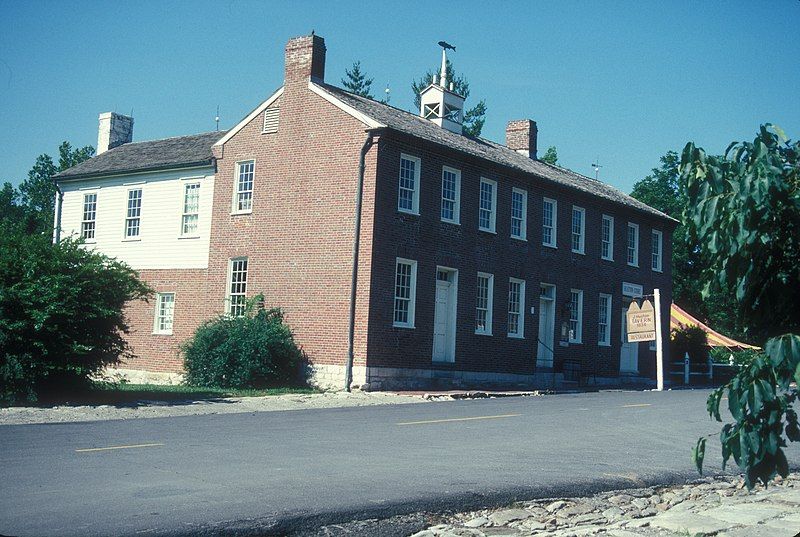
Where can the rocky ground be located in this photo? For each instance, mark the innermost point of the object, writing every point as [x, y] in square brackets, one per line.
[718, 506]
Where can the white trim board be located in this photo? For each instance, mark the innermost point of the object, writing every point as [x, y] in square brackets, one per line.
[363, 118]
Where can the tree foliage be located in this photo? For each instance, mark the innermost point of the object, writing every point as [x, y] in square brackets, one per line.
[550, 156]
[474, 118]
[743, 209]
[355, 81]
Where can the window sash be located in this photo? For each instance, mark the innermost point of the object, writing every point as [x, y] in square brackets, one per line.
[134, 213]
[451, 184]
[88, 223]
[483, 304]
[549, 222]
[245, 178]
[607, 238]
[404, 293]
[604, 320]
[408, 184]
[575, 316]
[633, 245]
[516, 298]
[519, 210]
[191, 209]
[165, 311]
[578, 229]
[487, 205]
[237, 287]
[656, 260]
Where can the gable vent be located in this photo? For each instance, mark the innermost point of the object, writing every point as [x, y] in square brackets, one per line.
[271, 120]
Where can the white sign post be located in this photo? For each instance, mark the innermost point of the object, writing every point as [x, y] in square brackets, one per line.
[659, 342]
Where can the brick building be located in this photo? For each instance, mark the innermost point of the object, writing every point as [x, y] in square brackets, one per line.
[476, 263]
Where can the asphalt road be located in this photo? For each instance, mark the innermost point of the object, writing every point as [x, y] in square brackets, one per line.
[276, 472]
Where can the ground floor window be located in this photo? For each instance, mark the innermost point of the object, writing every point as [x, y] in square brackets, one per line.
[237, 287]
[575, 316]
[516, 299]
[483, 304]
[165, 309]
[604, 320]
[405, 292]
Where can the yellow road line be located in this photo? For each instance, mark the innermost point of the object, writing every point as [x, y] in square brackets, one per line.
[132, 446]
[635, 406]
[459, 419]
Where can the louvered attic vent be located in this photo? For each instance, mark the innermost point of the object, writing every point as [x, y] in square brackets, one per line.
[271, 120]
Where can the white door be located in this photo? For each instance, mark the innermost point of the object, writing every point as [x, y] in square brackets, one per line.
[444, 317]
[547, 320]
[629, 352]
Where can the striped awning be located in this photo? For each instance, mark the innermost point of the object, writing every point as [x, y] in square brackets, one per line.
[678, 318]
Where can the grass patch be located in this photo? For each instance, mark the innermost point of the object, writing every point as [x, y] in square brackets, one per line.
[109, 393]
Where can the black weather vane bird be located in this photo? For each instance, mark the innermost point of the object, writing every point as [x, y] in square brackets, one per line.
[445, 45]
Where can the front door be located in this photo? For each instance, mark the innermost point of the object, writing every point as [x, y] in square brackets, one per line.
[629, 352]
[444, 325]
[547, 321]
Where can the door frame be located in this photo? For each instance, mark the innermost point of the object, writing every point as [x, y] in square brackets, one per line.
[633, 348]
[451, 328]
[551, 333]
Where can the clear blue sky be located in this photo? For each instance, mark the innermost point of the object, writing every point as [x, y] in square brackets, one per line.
[623, 80]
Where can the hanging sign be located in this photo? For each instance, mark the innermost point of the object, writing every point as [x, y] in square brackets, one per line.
[641, 322]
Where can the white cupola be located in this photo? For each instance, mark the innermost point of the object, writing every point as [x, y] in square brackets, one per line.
[441, 105]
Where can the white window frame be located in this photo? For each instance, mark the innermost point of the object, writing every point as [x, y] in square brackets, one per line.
[604, 299]
[576, 335]
[492, 210]
[610, 220]
[519, 312]
[456, 201]
[657, 263]
[415, 191]
[635, 228]
[186, 214]
[487, 329]
[137, 215]
[238, 192]
[411, 299]
[86, 221]
[581, 235]
[164, 312]
[553, 243]
[523, 220]
[240, 304]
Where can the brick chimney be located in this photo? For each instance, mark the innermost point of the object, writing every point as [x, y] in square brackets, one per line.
[115, 130]
[305, 58]
[521, 135]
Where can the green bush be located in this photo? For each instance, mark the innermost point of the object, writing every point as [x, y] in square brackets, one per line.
[61, 314]
[256, 350]
[691, 339]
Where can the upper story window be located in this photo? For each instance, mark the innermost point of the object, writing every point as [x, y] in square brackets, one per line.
[657, 247]
[271, 116]
[451, 195]
[578, 229]
[549, 214]
[408, 194]
[604, 321]
[516, 301]
[575, 316]
[519, 213]
[633, 244]
[607, 238]
[243, 194]
[134, 215]
[165, 309]
[487, 207]
[405, 291]
[483, 304]
[237, 286]
[191, 209]
[88, 223]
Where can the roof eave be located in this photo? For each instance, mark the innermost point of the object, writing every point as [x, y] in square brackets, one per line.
[178, 166]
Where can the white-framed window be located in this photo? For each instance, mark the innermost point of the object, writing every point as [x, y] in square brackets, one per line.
[165, 310]
[607, 238]
[633, 244]
[243, 193]
[575, 316]
[516, 302]
[408, 186]
[657, 247]
[271, 116]
[549, 222]
[519, 213]
[487, 205]
[237, 286]
[604, 321]
[191, 209]
[484, 297]
[451, 195]
[89, 220]
[405, 292]
[578, 229]
[133, 216]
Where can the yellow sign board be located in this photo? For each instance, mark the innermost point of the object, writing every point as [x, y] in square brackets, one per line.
[641, 322]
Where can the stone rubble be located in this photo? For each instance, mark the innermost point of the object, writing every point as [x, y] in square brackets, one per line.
[719, 506]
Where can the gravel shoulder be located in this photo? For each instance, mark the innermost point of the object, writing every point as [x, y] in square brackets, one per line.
[228, 405]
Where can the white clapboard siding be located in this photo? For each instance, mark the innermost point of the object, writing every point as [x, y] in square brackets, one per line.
[159, 244]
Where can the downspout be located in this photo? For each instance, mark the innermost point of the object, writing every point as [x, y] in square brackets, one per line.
[60, 203]
[348, 375]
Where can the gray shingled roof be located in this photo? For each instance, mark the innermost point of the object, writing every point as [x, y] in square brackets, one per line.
[414, 125]
[178, 152]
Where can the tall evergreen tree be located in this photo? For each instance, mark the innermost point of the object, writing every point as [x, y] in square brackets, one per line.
[356, 81]
[550, 156]
[474, 118]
